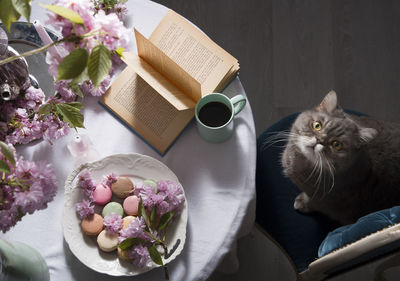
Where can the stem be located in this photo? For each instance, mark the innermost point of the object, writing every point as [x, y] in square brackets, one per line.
[165, 249]
[29, 53]
[166, 274]
[162, 243]
[71, 38]
[23, 183]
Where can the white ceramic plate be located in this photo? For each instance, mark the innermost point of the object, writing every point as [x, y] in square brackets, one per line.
[138, 167]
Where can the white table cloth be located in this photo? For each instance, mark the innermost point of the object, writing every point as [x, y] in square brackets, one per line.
[219, 181]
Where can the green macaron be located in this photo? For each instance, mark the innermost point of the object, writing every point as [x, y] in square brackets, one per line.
[113, 207]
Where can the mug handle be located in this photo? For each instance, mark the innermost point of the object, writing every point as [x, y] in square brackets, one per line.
[238, 102]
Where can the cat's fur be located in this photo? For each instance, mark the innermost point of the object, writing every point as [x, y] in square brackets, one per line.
[362, 177]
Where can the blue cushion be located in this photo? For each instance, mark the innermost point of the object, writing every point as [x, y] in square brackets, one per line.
[364, 226]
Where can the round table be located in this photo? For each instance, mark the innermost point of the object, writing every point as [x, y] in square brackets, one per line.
[219, 181]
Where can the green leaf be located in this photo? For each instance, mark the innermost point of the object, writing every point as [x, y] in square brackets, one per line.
[77, 90]
[165, 219]
[142, 213]
[99, 64]
[8, 14]
[23, 7]
[140, 207]
[155, 255]
[129, 242]
[76, 104]
[119, 51]
[4, 167]
[70, 114]
[145, 217]
[153, 217]
[73, 64]
[81, 77]
[64, 12]
[7, 152]
[45, 109]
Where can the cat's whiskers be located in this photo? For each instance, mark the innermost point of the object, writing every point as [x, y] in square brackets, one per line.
[322, 164]
[326, 178]
[313, 170]
[332, 173]
[318, 181]
[277, 137]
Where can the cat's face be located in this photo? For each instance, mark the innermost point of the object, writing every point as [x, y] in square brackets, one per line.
[327, 135]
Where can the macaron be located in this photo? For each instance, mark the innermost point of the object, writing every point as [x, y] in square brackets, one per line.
[131, 205]
[107, 242]
[123, 254]
[126, 221]
[102, 194]
[92, 225]
[113, 207]
[122, 187]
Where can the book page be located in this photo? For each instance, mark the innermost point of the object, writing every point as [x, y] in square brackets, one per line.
[191, 49]
[134, 101]
[160, 83]
[167, 67]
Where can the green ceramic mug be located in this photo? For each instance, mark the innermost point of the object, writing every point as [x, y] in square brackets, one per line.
[214, 116]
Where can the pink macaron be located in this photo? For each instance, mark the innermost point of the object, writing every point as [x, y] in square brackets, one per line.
[102, 194]
[131, 205]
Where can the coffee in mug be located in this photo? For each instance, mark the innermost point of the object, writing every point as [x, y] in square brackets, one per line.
[214, 116]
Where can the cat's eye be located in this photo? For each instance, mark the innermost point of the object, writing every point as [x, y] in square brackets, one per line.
[316, 125]
[337, 145]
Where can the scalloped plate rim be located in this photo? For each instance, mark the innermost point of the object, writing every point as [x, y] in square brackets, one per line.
[182, 219]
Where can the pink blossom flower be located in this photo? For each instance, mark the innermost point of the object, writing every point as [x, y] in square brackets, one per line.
[67, 94]
[106, 28]
[53, 128]
[114, 33]
[88, 88]
[113, 223]
[121, 10]
[86, 183]
[134, 230]
[8, 218]
[84, 209]
[25, 129]
[34, 98]
[139, 255]
[38, 186]
[109, 179]
[169, 197]
[173, 193]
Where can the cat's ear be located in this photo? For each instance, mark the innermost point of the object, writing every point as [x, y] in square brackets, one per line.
[367, 134]
[329, 103]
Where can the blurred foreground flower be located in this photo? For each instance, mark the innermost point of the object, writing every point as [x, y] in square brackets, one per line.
[25, 186]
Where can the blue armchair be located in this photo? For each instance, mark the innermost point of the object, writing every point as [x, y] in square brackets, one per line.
[316, 246]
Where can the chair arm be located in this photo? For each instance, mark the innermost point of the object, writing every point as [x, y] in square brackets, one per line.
[376, 244]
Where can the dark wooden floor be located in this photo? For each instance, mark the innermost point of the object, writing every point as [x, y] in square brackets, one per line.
[293, 52]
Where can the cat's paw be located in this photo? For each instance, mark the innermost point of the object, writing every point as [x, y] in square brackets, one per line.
[301, 203]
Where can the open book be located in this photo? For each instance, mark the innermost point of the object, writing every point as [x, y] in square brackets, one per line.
[157, 92]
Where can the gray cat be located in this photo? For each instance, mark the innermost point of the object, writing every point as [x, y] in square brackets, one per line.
[347, 166]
